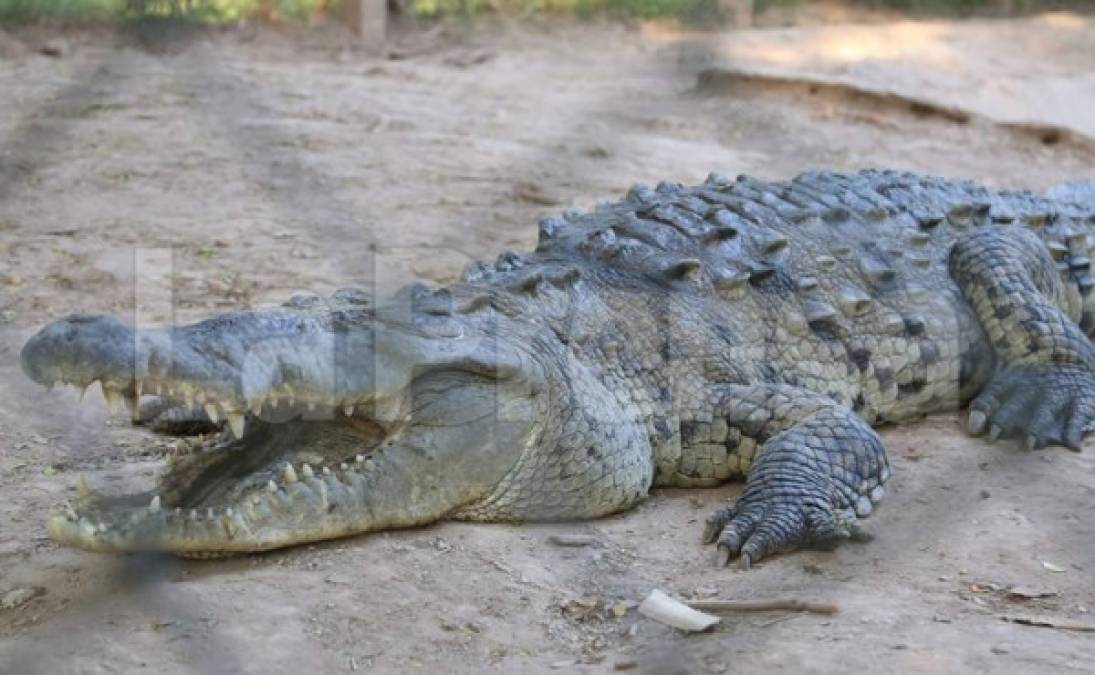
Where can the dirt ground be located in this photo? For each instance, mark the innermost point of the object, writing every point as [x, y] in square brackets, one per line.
[171, 179]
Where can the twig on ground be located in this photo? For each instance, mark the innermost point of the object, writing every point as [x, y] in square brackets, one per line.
[1041, 622]
[763, 606]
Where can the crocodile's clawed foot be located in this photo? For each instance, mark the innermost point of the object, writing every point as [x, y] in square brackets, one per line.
[755, 530]
[1043, 404]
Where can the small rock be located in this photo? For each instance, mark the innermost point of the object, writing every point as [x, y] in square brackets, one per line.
[19, 596]
[625, 663]
[985, 494]
[1000, 649]
[54, 48]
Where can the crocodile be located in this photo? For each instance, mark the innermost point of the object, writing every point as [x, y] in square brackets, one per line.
[681, 336]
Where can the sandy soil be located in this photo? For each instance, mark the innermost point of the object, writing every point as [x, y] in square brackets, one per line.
[232, 170]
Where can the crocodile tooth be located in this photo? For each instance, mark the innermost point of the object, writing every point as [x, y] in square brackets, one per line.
[344, 466]
[138, 389]
[306, 469]
[228, 512]
[154, 505]
[271, 487]
[359, 459]
[211, 513]
[256, 500]
[112, 398]
[290, 474]
[274, 401]
[854, 302]
[256, 406]
[213, 413]
[348, 410]
[194, 515]
[236, 422]
[82, 490]
[82, 393]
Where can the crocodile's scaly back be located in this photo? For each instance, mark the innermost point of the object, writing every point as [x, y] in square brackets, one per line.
[835, 283]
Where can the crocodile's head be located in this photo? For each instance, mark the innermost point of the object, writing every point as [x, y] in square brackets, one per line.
[338, 421]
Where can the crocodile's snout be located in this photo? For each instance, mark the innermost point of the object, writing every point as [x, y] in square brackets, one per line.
[80, 349]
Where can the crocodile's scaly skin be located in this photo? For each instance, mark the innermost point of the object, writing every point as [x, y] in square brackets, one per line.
[685, 336]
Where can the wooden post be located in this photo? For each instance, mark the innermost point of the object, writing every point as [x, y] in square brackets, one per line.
[737, 13]
[367, 18]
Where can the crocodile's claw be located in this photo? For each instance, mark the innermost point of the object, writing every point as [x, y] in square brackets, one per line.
[756, 529]
[1043, 404]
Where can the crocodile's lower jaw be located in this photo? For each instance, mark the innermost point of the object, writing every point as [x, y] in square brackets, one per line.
[279, 485]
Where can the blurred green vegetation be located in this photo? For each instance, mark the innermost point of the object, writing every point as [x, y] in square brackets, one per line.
[693, 12]
[204, 11]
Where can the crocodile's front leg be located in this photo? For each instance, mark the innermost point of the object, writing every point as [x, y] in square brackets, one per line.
[820, 467]
[1044, 386]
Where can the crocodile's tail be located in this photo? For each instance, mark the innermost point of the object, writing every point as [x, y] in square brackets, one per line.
[1079, 193]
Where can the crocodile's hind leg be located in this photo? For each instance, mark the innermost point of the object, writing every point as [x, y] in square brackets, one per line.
[1044, 385]
[819, 469]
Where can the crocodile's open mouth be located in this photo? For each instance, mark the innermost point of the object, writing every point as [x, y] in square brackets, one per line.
[252, 487]
[333, 423]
